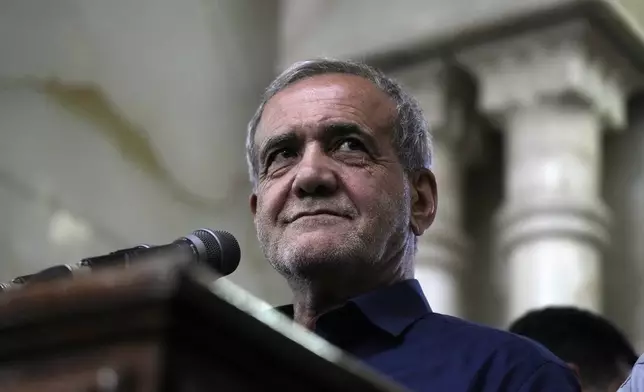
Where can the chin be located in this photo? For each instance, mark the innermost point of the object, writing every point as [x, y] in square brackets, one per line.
[320, 238]
[312, 247]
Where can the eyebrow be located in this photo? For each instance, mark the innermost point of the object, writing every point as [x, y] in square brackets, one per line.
[333, 130]
[329, 132]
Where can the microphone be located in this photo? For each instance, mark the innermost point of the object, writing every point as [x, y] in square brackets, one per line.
[217, 249]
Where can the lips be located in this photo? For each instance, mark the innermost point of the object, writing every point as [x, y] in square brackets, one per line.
[317, 212]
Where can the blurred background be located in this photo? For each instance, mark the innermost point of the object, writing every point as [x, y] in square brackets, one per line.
[123, 122]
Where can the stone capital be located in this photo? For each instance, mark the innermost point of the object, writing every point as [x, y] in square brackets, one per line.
[568, 63]
[447, 96]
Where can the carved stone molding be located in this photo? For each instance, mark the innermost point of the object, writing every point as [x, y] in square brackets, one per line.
[446, 94]
[518, 224]
[571, 62]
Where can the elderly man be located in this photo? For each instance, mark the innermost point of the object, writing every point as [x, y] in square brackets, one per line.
[339, 159]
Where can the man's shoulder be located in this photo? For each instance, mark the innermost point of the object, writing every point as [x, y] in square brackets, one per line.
[635, 382]
[490, 344]
[486, 338]
[511, 362]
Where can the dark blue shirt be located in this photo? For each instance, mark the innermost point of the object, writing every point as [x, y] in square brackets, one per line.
[394, 331]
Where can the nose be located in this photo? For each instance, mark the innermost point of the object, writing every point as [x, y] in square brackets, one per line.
[315, 175]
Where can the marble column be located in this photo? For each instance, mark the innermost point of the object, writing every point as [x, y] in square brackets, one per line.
[553, 92]
[444, 95]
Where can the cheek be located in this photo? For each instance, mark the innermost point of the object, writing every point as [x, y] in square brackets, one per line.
[263, 207]
[270, 199]
[375, 196]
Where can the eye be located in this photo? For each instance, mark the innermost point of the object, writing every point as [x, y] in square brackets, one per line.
[351, 145]
[281, 155]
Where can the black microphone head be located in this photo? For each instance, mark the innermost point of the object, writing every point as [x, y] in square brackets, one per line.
[221, 250]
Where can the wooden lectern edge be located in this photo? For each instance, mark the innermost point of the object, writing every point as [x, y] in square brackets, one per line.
[284, 326]
[143, 283]
[262, 311]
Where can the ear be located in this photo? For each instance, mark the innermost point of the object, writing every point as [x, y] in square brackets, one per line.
[424, 200]
[253, 204]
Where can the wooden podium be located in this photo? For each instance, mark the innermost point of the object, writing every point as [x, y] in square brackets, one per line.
[162, 327]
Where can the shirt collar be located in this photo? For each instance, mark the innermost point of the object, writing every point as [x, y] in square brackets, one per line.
[392, 308]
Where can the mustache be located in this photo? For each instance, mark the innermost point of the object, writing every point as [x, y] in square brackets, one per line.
[338, 209]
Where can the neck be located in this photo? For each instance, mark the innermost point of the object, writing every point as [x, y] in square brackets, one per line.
[316, 295]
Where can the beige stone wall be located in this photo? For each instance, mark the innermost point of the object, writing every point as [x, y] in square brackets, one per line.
[124, 122]
[336, 28]
[635, 9]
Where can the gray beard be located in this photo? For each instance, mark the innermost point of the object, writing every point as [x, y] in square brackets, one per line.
[359, 257]
[299, 263]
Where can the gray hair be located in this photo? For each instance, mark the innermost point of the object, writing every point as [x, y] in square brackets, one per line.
[411, 137]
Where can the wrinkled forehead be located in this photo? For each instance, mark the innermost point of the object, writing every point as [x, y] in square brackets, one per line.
[322, 98]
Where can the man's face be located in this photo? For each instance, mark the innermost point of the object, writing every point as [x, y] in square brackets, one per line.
[331, 191]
